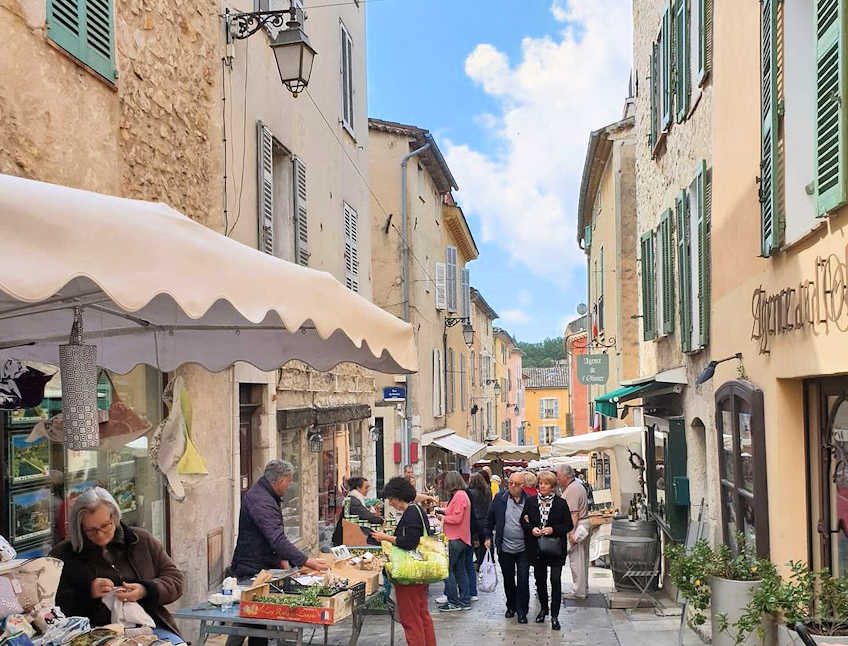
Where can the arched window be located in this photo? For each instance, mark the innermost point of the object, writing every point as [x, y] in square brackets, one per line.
[742, 464]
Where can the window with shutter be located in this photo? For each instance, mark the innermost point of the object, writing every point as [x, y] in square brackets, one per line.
[466, 293]
[556, 408]
[451, 278]
[705, 193]
[694, 200]
[648, 287]
[655, 94]
[665, 258]
[683, 270]
[666, 69]
[681, 63]
[705, 39]
[351, 247]
[301, 223]
[831, 107]
[265, 187]
[347, 78]
[541, 409]
[441, 286]
[768, 163]
[85, 29]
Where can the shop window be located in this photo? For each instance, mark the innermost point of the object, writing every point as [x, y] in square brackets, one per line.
[290, 448]
[42, 479]
[742, 464]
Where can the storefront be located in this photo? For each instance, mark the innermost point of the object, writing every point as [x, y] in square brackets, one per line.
[42, 478]
[444, 450]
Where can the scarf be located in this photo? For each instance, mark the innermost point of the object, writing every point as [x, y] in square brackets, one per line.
[545, 504]
[355, 493]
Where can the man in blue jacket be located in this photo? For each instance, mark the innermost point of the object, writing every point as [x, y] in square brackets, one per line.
[262, 543]
[512, 516]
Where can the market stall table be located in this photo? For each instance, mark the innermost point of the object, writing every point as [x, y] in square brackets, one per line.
[214, 620]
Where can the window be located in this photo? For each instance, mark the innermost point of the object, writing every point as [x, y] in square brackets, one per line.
[466, 294]
[549, 408]
[742, 464]
[85, 29]
[648, 264]
[347, 79]
[462, 393]
[548, 434]
[451, 278]
[351, 247]
[290, 446]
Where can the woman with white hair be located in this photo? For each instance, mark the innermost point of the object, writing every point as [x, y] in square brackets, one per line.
[104, 556]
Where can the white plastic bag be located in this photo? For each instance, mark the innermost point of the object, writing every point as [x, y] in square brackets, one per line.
[488, 574]
[580, 535]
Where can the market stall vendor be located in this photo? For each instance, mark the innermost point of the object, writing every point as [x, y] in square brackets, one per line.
[106, 559]
[354, 506]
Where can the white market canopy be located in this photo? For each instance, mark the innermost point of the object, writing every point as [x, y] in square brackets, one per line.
[448, 440]
[158, 288]
[504, 450]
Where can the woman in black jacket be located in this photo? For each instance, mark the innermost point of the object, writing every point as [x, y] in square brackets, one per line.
[481, 499]
[554, 521]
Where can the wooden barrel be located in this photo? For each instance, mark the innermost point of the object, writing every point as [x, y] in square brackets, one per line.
[633, 544]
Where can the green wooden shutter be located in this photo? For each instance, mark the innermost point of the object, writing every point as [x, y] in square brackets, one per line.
[705, 199]
[652, 140]
[667, 272]
[681, 42]
[64, 25]
[666, 68]
[265, 187]
[648, 287]
[705, 39]
[684, 270]
[587, 237]
[831, 110]
[84, 29]
[768, 99]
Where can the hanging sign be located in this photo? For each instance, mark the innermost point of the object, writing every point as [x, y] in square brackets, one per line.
[593, 368]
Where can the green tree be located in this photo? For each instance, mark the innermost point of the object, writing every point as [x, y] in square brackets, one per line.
[542, 354]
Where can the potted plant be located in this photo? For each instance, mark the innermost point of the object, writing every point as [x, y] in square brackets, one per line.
[724, 583]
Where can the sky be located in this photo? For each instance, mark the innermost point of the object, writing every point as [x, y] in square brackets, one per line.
[511, 92]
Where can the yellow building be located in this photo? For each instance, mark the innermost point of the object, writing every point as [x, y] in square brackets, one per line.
[546, 405]
[779, 273]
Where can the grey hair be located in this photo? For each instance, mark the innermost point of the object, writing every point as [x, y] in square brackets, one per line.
[85, 503]
[565, 470]
[278, 469]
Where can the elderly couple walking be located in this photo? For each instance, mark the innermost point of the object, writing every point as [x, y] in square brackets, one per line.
[537, 531]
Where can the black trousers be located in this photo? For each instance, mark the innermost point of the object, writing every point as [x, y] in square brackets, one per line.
[541, 573]
[516, 575]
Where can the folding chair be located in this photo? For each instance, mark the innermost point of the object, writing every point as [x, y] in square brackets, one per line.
[640, 571]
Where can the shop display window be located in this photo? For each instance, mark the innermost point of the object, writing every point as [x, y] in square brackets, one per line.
[42, 479]
[290, 447]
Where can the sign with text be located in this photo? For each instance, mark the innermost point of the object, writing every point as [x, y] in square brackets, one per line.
[593, 368]
[394, 394]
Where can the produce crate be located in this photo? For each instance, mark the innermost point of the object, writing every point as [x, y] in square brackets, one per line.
[332, 610]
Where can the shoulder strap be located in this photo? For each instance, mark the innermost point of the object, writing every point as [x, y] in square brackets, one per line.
[423, 520]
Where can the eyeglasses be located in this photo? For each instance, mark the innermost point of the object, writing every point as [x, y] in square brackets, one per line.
[105, 528]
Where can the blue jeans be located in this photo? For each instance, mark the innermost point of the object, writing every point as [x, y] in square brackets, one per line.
[164, 633]
[472, 572]
[457, 584]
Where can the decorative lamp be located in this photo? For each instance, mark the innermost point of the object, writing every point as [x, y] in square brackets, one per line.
[78, 368]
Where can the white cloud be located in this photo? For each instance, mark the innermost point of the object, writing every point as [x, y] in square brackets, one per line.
[525, 194]
[514, 317]
[525, 298]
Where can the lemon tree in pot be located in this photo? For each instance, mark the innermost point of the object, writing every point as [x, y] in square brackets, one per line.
[724, 583]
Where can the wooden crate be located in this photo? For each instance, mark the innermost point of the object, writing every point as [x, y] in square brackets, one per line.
[372, 579]
[333, 609]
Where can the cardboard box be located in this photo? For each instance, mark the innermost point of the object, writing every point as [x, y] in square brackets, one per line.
[371, 578]
[332, 610]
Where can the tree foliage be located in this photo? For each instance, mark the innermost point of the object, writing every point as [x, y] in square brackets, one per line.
[542, 354]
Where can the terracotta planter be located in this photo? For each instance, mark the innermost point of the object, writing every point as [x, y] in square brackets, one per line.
[729, 598]
[786, 637]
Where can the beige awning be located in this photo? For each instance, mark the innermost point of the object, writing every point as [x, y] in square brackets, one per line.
[448, 440]
[504, 450]
[159, 288]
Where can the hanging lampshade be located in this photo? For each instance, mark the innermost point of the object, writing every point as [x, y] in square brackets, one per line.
[78, 368]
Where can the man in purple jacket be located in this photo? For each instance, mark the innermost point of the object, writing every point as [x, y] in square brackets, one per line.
[262, 542]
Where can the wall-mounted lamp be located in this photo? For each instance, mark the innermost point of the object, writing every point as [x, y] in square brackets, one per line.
[626, 408]
[709, 371]
[316, 441]
[375, 433]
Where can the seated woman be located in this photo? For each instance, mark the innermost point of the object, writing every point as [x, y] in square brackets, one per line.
[359, 488]
[105, 555]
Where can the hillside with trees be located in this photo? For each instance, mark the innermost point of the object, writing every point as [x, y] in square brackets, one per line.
[542, 354]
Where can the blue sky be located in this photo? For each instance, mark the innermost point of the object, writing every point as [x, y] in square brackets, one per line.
[511, 94]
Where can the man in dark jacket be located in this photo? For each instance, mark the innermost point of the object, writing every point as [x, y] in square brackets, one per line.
[512, 516]
[262, 543]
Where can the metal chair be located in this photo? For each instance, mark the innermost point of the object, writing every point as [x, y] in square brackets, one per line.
[641, 574]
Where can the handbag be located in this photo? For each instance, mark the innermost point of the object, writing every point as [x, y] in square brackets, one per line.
[550, 546]
[488, 574]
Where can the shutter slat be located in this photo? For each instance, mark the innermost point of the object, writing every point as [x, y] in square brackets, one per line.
[265, 187]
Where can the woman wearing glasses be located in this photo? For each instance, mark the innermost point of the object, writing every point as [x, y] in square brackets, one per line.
[104, 556]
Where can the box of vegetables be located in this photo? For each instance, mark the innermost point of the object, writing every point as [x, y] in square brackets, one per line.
[313, 604]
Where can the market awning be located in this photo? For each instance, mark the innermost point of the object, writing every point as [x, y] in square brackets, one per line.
[158, 288]
[607, 404]
[449, 441]
[504, 450]
[629, 437]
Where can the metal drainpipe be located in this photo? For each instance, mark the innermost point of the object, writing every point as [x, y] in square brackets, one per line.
[404, 265]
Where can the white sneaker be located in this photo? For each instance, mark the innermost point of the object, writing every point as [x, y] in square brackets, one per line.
[441, 599]
[475, 598]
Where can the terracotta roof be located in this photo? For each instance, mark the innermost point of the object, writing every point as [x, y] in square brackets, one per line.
[554, 377]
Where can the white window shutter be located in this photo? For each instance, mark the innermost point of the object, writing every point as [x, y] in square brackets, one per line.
[441, 286]
[466, 293]
[436, 380]
[301, 223]
[541, 409]
[556, 433]
[556, 408]
[451, 279]
[265, 177]
[351, 247]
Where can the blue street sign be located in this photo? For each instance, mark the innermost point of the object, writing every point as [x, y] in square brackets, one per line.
[394, 394]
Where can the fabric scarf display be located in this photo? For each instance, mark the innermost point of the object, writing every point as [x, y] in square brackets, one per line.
[545, 504]
[64, 631]
[21, 386]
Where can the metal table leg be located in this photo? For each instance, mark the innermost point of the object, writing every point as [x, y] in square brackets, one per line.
[357, 628]
[392, 629]
[326, 633]
[201, 638]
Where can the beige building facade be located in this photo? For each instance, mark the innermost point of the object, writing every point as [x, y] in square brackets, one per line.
[607, 233]
[483, 386]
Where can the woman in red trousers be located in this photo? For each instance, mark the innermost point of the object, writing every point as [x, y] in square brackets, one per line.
[411, 599]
